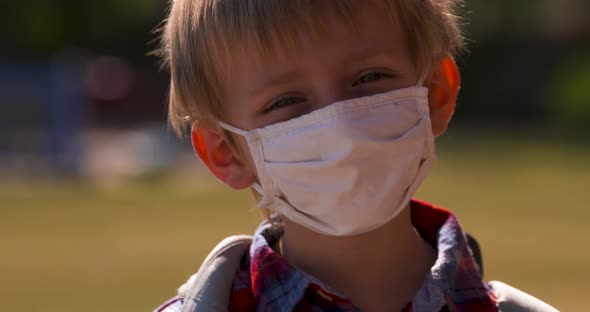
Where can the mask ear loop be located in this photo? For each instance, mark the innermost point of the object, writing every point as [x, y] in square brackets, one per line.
[265, 201]
[422, 79]
[233, 129]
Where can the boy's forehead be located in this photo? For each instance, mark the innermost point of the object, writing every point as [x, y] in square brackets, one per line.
[289, 44]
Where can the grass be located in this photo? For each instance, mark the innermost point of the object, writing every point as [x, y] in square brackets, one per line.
[79, 247]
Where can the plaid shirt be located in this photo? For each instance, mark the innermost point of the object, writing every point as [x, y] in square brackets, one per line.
[267, 282]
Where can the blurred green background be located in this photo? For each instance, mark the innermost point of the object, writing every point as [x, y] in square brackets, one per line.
[101, 208]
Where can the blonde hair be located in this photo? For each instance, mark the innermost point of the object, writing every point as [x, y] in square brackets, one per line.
[199, 37]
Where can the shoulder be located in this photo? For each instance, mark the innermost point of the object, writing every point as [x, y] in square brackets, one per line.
[210, 287]
[510, 299]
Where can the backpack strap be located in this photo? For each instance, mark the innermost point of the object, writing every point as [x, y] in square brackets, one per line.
[510, 299]
[209, 289]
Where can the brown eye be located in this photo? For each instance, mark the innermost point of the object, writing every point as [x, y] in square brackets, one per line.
[370, 77]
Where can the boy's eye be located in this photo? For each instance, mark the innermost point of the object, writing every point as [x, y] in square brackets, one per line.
[281, 103]
[370, 77]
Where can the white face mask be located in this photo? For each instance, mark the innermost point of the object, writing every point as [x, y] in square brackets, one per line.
[346, 168]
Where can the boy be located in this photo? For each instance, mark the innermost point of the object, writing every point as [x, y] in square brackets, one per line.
[328, 110]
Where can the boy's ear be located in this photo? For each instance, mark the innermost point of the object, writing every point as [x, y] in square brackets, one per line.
[443, 86]
[215, 152]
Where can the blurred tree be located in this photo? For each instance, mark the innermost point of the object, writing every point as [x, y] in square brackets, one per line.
[571, 94]
[43, 27]
[520, 60]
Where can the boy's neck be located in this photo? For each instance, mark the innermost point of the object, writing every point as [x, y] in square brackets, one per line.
[378, 271]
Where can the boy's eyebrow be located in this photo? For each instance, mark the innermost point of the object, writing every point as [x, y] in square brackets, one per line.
[284, 77]
[272, 81]
[365, 54]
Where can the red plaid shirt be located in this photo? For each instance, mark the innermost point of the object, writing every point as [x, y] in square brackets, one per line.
[267, 282]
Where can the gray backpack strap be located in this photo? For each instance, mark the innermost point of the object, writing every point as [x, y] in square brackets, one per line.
[209, 289]
[510, 299]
